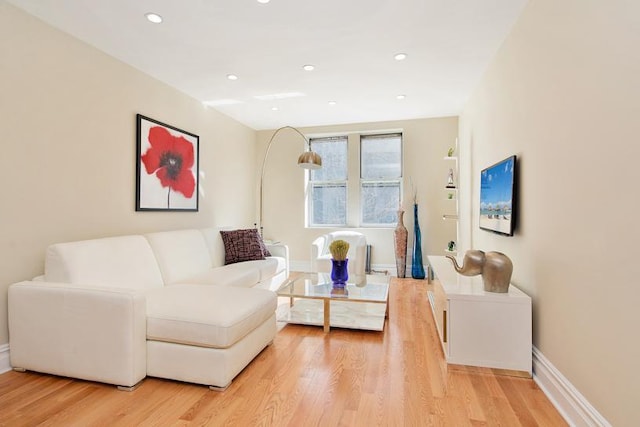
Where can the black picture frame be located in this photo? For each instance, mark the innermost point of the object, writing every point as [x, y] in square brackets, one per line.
[167, 167]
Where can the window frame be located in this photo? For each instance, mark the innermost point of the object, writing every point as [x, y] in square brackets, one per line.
[326, 184]
[354, 205]
[399, 180]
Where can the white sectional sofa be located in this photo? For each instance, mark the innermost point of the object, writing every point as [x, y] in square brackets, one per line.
[163, 304]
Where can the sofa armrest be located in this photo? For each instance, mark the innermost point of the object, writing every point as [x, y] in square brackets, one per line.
[96, 334]
[317, 248]
[280, 250]
[360, 266]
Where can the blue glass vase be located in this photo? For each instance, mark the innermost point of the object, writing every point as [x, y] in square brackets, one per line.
[417, 269]
[339, 273]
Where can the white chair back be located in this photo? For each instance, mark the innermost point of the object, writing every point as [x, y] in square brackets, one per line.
[321, 257]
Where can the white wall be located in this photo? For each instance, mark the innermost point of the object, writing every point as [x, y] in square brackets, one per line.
[425, 143]
[562, 94]
[67, 138]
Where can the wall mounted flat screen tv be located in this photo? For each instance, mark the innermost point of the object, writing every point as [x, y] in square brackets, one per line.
[497, 197]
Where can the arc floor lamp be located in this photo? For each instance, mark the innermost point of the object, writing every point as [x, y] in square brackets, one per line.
[307, 160]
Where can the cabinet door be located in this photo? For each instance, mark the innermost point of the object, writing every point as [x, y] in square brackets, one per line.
[490, 334]
[440, 308]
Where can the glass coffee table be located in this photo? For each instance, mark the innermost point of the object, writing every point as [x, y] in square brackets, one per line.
[313, 300]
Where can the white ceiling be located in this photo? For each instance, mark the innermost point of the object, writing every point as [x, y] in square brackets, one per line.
[352, 44]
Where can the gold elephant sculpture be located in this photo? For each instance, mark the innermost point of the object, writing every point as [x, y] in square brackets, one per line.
[495, 267]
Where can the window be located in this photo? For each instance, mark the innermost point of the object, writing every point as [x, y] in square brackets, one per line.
[335, 196]
[328, 185]
[380, 179]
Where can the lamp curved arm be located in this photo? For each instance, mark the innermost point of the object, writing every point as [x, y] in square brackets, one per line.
[317, 161]
[266, 153]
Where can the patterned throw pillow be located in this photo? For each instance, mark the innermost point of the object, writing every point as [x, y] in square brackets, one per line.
[265, 251]
[242, 245]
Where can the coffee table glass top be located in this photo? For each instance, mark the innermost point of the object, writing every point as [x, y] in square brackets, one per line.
[362, 304]
[369, 288]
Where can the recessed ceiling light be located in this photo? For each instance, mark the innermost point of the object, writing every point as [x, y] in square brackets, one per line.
[332, 102]
[264, 1]
[274, 108]
[232, 77]
[154, 17]
[400, 56]
[401, 96]
[308, 67]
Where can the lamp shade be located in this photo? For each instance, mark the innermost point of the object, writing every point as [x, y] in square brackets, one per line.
[310, 160]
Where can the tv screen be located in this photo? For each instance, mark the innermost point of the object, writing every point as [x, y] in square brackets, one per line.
[497, 197]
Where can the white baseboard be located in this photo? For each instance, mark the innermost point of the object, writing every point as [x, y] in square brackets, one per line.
[5, 361]
[572, 405]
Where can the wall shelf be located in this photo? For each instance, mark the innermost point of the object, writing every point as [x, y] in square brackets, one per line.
[450, 207]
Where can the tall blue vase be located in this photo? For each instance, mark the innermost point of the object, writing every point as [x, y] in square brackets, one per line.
[417, 269]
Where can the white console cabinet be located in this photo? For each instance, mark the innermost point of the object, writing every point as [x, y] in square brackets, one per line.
[479, 328]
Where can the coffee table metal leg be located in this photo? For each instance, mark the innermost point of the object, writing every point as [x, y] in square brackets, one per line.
[327, 315]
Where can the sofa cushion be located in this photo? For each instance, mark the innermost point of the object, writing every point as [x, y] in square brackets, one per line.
[242, 245]
[206, 316]
[240, 275]
[120, 262]
[180, 253]
[267, 267]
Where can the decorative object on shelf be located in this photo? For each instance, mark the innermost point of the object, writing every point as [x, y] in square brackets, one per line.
[339, 262]
[450, 196]
[400, 235]
[307, 160]
[451, 246]
[166, 167]
[450, 183]
[417, 269]
[451, 151]
[495, 267]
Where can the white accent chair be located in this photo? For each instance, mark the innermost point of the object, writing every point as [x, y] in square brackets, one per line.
[321, 257]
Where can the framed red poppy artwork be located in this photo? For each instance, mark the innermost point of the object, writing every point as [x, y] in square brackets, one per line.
[166, 168]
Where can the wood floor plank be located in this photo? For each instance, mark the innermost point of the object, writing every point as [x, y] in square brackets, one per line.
[397, 377]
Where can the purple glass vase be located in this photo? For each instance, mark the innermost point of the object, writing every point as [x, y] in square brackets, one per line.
[339, 273]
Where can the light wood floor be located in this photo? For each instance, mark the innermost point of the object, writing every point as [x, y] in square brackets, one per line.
[306, 378]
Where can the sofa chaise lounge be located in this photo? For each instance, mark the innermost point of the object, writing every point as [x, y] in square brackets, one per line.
[164, 304]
